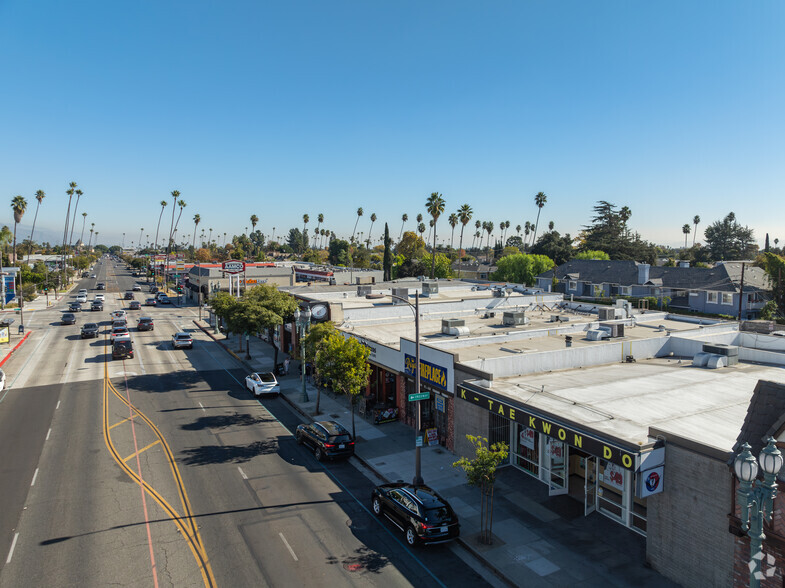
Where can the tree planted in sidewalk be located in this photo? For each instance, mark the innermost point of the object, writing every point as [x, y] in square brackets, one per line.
[343, 363]
[313, 339]
[273, 307]
[481, 472]
[224, 307]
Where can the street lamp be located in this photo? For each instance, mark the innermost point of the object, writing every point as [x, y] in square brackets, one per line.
[302, 319]
[757, 502]
[418, 481]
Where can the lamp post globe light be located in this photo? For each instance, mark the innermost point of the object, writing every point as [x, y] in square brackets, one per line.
[303, 319]
[757, 498]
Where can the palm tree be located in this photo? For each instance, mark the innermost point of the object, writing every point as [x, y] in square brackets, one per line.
[477, 235]
[404, 218]
[489, 229]
[518, 230]
[421, 229]
[551, 225]
[306, 220]
[39, 195]
[359, 214]
[373, 220]
[90, 242]
[435, 207]
[164, 204]
[696, 221]
[320, 220]
[464, 215]
[686, 229]
[197, 220]
[539, 199]
[73, 222]
[81, 236]
[453, 222]
[526, 230]
[70, 192]
[18, 205]
[141, 233]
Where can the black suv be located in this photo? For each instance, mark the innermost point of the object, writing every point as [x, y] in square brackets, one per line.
[145, 324]
[129, 296]
[100, 286]
[74, 307]
[89, 330]
[68, 318]
[122, 349]
[329, 439]
[418, 511]
[97, 305]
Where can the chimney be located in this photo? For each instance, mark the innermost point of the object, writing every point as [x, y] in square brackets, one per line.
[643, 273]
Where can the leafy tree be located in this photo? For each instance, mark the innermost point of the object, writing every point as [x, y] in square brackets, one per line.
[316, 334]
[728, 240]
[774, 266]
[411, 246]
[410, 268]
[521, 268]
[608, 232]
[342, 361]
[338, 252]
[223, 306]
[481, 472]
[589, 254]
[515, 241]
[387, 260]
[441, 267]
[276, 307]
[295, 240]
[553, 245]
[509, 251]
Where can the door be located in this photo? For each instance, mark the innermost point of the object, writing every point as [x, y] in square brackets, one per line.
[590, 486]
[556, 454]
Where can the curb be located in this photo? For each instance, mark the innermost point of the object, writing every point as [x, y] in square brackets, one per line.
[476, 554]
[17, 346]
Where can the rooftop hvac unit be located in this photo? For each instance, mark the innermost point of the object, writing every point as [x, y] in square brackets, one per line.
[430, 288]
[499, 293]
[511, 318]
[616, 329]
[448, 324]
[596, 334]
[721, 349]
[400, 293]
[363, 290]
[606, 314]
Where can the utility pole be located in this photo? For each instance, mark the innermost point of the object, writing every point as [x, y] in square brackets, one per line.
[741, 290]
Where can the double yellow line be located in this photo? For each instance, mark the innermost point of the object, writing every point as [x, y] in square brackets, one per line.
[186, 522]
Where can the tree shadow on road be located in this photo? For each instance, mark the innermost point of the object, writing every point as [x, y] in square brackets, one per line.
[212, 454]
[364, 559]
[223, 421]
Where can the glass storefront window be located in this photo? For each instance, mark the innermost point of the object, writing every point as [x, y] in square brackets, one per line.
[526, 450]
[610, 492]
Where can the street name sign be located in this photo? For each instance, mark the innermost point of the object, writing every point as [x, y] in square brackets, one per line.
[420, 396]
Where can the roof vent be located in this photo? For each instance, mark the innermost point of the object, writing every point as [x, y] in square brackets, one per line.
[511, 318]
[430, 288]
[363, 290]
[400, 295]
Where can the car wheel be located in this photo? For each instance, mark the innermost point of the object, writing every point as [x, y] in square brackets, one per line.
[411, 537]
[317, 453]
[377, 506]
[299, 437]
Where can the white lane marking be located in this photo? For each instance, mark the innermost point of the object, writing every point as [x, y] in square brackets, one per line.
[11, 552]
[49, 432]
[35, 475]
[203, 410]
[289, 547]
[32, 355]
[242, 473]
[58, 405]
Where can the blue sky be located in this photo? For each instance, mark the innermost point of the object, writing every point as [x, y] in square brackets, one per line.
[284, 108]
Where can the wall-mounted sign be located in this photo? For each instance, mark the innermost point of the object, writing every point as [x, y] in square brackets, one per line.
[435, 375]
[649, 482]
[433, 436]
[440, 403]
[584, 441]
[233, 266]
[613, 476]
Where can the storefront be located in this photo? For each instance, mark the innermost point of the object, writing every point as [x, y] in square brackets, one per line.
[602, 473]
[380, 403]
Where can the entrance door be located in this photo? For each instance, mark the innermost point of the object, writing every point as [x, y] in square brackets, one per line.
[590, 486]
[556, 466]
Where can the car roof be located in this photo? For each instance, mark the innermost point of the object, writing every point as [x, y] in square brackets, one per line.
[181, 334]
[332, 427]
[145, 318]
[90, 325]
[421, 494]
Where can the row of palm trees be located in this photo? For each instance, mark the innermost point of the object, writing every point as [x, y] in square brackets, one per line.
[686, 229]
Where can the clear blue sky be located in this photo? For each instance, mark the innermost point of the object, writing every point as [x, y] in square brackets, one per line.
[283, 108]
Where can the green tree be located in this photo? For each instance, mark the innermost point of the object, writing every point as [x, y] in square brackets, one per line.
[553, 245]
[223, 306]
[278, 306]
[373, 220]
[695, 221]
[452, 220]
[521, 268]
[728, 240]
[164, 204]
[387, 261]
[686, 229]
[774, 266]
[514, 241]
[465, 213]
[338, 252]
[316, 334]
[590, 254]
[539, 199]
[481, 472]
[411, 246]
[18, 206]
[404, 218]
[608, 232]
[343, 362]
[435, 207]
[39, 196]
[359, 214]
[441, 267]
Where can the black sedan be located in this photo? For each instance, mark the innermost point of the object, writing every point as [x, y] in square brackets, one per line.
[328, 439]
[89, 330]
[418, 511]
[74, 307]
[68, 318]
[97, 305]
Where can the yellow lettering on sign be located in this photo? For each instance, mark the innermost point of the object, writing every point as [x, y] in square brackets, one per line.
[626, 460]
[463, 393]
[578, 441]
[562, 434]
[531, 422]
[606, 452]
[501, 409]
[512, 414]
[546, 427]
[490, 404]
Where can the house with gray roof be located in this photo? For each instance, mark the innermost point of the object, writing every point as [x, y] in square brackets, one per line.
[717, 290]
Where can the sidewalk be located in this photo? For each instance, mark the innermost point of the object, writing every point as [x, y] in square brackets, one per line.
[538, 540]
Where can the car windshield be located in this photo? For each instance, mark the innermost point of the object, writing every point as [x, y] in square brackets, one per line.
[340, 439]
[440, 514]
[267, 378]
[183, 336]
[122, 344]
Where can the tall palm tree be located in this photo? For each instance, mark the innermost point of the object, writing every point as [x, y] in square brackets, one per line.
[81, 236]
[465, 213]
[539, 199]
[453, 222]
[696, 221]
[320, 220]
[39, 195]
[164, 204]
[18, 205]
[359, 214]
[197, 220]
[518, 230]
[373, 220]
[476, 237]
[527, 228]
[141, 234]
[90, 242]
[70, 192]
[73, 222]
[421, 229]
[435, 207]
[489, 229]
[404, 218]
[686, 229]
[306, 220]
[175, 195]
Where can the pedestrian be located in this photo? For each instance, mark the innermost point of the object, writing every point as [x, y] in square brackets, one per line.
[286, 366]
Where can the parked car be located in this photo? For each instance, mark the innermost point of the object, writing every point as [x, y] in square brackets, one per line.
[182, 341]
[122, 349]
[150, 302]
[121, 332]
[328, 439]
[2, 380]
[100, 286]
[145, 324]
[75, 307]
[89, 330]
[264, 383]
[418, 511]
[129, 296]
[68, 318]
[135, 305]
[97, 305]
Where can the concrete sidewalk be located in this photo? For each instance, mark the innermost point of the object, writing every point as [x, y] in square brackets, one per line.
[538, 540]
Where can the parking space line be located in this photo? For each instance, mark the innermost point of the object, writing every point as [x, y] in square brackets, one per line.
[11, 551]
[35, 475]
[49, 432]
[289, 547]
[242, 473]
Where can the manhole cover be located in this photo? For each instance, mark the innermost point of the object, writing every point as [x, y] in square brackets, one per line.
[352, 567]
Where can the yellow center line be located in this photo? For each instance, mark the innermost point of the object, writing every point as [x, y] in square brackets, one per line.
[121, 422]
[142, 450]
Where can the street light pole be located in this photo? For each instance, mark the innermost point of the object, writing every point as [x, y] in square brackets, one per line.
[302, 319]
[757, 502]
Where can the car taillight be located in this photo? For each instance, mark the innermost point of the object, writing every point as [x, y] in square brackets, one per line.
[329, 445]
[424, 527]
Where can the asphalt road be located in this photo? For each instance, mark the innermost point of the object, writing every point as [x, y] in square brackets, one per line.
[229, 498]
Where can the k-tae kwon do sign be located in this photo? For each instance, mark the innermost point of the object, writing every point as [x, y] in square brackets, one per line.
[551, 429]
[233, 266]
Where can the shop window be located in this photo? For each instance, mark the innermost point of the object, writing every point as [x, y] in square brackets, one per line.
[498, 430]
[610, 493]
[526, 450]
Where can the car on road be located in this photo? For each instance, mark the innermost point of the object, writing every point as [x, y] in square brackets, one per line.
[82, 291]
[418, 511]
[145, 324]
[81, 298]
[100, 297]
[182, 341]
[262, 383]
[119, 314]
[122, 349]
[137, 288]
[93, 276]
[150, 302]
[119, 332]
[164, 299]
[119, 323]
[135, 305]
[97, 305]
[68, 318]
[153, 289]
[328, 439]
[100, 286]
[75, 307]
[129, 295]
[89, 330]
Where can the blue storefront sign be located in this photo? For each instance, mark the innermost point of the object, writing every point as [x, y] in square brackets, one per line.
[435, 375]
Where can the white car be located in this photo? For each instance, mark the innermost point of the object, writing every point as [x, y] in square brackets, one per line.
[264, 383]
[2, 380]
[120, 333]
[81, 298]
[82, 291]
[100, 297]
[119, 314]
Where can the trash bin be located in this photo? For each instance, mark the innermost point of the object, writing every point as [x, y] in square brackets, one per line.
[21, 329]
[279, 369]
